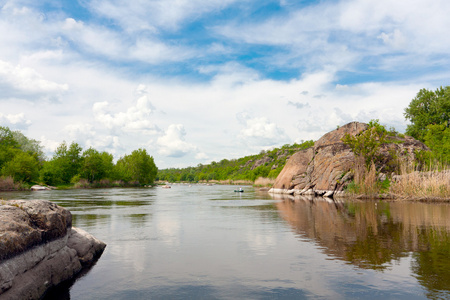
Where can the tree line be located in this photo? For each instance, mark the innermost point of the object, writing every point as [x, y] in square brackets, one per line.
[267, 164]
[23, 160]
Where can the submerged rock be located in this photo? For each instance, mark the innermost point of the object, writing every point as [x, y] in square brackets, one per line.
[39, 248]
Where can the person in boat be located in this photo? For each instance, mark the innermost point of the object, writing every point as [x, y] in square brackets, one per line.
[240, 189]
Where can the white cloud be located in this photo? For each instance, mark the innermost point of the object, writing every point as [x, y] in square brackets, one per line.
[79, 132]
[49, 145]
[349, 31]
[261, 132]
[173, 143]
[15, 121]
[136, 118]
[142, 15]
[22, 82]
[201, 156]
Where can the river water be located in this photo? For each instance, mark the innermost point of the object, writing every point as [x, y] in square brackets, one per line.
[208, 242]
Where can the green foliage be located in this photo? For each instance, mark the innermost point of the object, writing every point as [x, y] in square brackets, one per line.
[428, 108]
[22, 160]
[437, 138]
[95, 165]
[64, 165]
[7, 145]
[24, 167]
[367, 144]
[138, 166]
[265, 164]
[29, 145]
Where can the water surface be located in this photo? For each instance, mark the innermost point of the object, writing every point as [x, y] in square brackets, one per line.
[207, 242]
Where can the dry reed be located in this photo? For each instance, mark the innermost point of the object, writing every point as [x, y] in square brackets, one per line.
[366, 181]
[7, 184]
[262, 181]
[432, 184]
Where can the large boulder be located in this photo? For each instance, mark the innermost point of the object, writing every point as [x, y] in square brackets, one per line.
[39, 248]
[326, 167]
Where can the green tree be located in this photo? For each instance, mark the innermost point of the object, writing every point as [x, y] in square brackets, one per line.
[23, 167]
[7, 145]
[64, 165]
[367, 144]
[51, 173]
[437, 138]
[138, 166]
[29, 145]
[428, 108]
[93, 166]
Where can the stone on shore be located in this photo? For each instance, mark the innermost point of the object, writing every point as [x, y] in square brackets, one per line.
[39, 248]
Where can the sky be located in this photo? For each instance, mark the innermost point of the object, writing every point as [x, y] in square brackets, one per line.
[195, 81]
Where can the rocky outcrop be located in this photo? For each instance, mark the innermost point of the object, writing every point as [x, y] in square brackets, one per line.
[326, 168]
[39, 248]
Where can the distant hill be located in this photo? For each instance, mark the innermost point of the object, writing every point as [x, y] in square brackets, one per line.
[266, 164]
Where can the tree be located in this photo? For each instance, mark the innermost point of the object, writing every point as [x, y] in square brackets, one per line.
[7, 145]
[138, 166]
[64, 165]
[29, 145]
[427, 108]
[92, 167]
[437, 138]
[367, 144]
[23, 167]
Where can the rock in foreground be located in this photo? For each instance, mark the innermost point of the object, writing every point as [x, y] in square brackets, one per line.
[39, 248]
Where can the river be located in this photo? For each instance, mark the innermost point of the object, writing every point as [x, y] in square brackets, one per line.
[208, 242]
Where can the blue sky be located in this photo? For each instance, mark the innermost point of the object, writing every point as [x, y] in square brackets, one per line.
[196, 81]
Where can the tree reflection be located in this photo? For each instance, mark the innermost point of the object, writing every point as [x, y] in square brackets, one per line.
[432, 267]
[373, 235]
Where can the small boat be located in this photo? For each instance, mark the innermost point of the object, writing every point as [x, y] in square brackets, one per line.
[239, 191]
[166, 186]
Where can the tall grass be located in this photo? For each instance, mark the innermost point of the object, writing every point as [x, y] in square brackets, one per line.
[365, 181]
[7, 184]
[263, 181]
[433, 183]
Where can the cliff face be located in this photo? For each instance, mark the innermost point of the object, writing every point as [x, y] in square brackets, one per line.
[39, 248]
[326, 168]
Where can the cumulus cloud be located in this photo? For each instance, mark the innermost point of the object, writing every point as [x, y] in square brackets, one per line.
[173, 143]
[49, 145]
[260, 131]
[79, 132]
[135, 118]
[22, 82]
[15, 121]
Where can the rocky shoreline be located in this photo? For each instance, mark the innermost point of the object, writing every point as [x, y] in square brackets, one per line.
[40, 249]
[326, 168]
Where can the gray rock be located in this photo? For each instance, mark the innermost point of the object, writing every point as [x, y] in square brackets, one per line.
[39, 248]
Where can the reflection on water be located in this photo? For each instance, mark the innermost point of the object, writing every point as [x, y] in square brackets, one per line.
[376, 235]
[207, 242]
